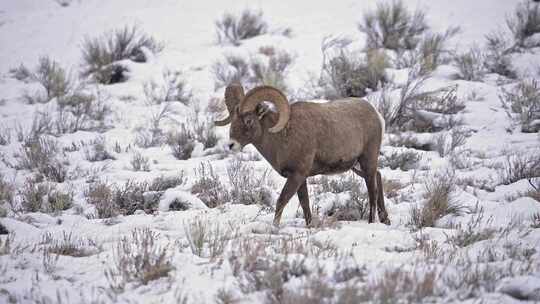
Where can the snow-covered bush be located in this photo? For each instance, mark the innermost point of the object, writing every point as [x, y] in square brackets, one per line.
[234, 69]
[525, 24]
[5, 136]
[353, 208]
[69, 245]
[140, 162]
[471, 232]
[139, 258]
[81, 110]
[522, 103]
[439, 201]
[392, 26]
[246, 186]
[173, 88]
[182, 142]
[419, 109]
[45, 157]
[101, 196]
[518, 166]
[432, 51]
[447, 142]
[208, 187]
[346, 74]
[269, 66]
[234, 28]
[101, 54]
[497, 58]
[7, 194]
[96, 150]
[44, 197]
[402, 159]
[471, 64]
[207, 239]
[53, 78]
[204, 132]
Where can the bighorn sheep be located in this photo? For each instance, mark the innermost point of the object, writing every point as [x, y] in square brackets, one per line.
[306, 139]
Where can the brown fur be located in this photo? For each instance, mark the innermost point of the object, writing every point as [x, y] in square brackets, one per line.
[323, 138]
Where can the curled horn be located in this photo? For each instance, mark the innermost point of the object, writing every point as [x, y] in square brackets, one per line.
[273, 95]
[234, 93]
[223, 122]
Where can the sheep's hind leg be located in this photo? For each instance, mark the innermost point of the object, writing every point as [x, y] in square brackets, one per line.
[383, 215]
[369, 173]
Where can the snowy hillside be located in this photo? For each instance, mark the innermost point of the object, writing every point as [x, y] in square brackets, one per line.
[117, 187]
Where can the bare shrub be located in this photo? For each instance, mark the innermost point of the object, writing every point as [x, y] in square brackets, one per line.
[101, 195]
[234, 69]
[162, 183]
[391, 187]
[518, 166]
[173, 88]
[204, 132]
[54, 80]
[5, 136]
[101, 54]
[44, 197]
[7, 192]
[472, 232]
[233, 28]
[80, 109]
[438, 202]
[182, 142]
[353, 208]
[133, 196]
[207, 239]
[471, 64]
[208, 187]
[402, 159]
[408, 140]
[140, 162]
[42, 155]
[140, 258]
[393, 27]
[433, 50]
[535, 219]
[70, 245]
[422, 110]
[246, 187]
[400, 284]
[269, 66]
[522, 103]
[348, 74]
[225, 296]
[497, 58]
[21, 73]
[97, 151]
[447, 142]
[272, 68]
[525, 23]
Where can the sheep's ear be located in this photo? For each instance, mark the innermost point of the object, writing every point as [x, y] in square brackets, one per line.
[262, 109]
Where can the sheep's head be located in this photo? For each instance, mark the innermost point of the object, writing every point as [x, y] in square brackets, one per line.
[246, 112]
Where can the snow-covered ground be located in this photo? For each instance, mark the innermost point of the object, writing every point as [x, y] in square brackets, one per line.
[258, 263]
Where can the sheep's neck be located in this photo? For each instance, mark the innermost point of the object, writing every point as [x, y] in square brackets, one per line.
[266, 144]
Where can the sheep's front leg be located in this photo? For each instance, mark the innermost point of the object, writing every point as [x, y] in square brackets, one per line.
[291, 187]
